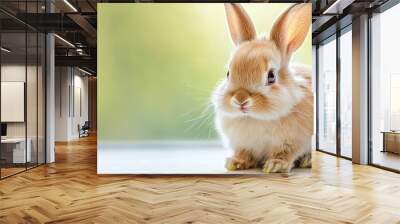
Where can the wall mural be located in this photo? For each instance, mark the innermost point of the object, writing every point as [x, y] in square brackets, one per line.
[195, 89]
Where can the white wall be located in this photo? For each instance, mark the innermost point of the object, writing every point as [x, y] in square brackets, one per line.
[16, 73]
[71, 94]
[62, 81]
[11, 73]
[81, 84]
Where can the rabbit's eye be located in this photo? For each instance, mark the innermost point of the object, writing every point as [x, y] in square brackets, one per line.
[227, 74]
[271, 78]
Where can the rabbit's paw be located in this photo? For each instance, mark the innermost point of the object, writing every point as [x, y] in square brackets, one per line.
[276, 166]
[305, 162]
[238, 164]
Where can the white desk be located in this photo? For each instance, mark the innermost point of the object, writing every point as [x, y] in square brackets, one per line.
[19, 155]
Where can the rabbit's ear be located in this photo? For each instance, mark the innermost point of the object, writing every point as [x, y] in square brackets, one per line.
[291, 28]
[240, 25]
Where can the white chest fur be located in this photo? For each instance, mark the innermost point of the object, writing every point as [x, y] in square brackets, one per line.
[246, 133]
[258, 136]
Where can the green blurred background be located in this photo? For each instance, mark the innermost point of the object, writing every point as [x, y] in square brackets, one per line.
[159, 63]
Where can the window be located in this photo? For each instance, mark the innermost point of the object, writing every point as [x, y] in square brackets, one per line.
[327, 97]
[385, 89]
[346, 94]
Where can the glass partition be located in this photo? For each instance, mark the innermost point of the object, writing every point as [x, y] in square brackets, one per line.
[22, 88]
[32, 94]
[13, 94]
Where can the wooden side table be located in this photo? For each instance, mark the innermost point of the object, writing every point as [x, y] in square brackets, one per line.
[391, 141]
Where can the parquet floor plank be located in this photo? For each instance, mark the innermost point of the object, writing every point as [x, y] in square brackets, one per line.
[70, 191]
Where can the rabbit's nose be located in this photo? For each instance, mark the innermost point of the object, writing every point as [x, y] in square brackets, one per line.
[241, 97]
[241, 103]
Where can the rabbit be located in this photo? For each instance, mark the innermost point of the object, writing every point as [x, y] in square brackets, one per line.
[264, 105]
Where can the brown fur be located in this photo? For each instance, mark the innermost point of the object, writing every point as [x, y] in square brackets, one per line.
[242, 160]
[240, 25]
[281, 112]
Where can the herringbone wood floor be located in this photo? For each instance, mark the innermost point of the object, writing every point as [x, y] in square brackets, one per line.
[70, 191]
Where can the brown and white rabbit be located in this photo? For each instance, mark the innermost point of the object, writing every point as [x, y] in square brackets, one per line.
[264, 106]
